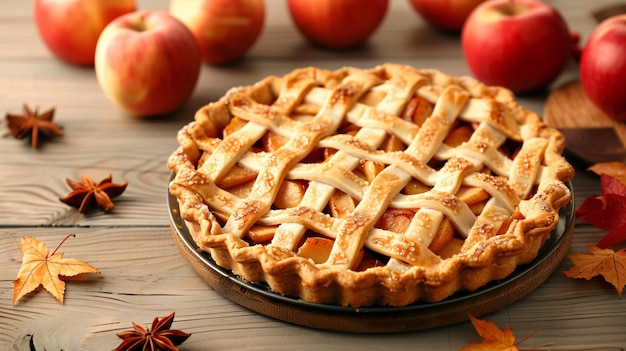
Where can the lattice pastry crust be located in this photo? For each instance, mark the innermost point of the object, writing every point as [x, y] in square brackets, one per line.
[382, 186]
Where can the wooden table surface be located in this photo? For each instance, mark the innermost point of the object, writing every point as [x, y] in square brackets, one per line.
[143, 275]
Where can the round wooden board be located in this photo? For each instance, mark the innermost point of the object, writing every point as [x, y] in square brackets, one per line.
[419, 316]
[590, 133]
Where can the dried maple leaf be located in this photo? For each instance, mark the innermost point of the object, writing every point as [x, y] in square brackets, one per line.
[605, 262]
[32, 123]
[494, 339]
[158, 337]
[615, 169]
[84, 193]
[39, 267]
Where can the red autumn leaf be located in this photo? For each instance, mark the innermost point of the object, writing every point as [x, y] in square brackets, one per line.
[607, 211]
[612, 185]
[604, 212]
[591, 209]
[605, 262]
[614, 237]
[494, 339]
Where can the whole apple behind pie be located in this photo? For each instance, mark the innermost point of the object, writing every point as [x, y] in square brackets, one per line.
[362, 187]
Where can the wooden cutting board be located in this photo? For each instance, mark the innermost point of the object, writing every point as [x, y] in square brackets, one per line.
[590, 134]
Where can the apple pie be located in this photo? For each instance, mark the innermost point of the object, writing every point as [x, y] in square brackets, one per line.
[364, 187]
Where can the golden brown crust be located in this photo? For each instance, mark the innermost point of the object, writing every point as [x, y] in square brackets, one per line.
[351, 114]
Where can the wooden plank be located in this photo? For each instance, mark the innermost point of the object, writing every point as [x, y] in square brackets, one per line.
[32, 198]
[142, 275]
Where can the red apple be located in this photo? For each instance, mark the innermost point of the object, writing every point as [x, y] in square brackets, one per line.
[337, 24]
[147, 62]
[448, 15]
[225, 29]
[70, 28]
[603, 67]
[522, 45]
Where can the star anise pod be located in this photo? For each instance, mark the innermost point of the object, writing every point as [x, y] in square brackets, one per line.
[86, 192]
[158, 337]
[32, 123]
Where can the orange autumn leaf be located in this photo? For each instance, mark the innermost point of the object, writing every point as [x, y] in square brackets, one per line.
[494, 339]
[605, 262]
[40, 268]
[615, 169]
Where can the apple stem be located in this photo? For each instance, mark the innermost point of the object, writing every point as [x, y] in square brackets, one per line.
[61, 243]
[513, 9]
[142, 24]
